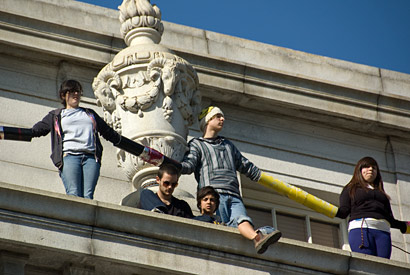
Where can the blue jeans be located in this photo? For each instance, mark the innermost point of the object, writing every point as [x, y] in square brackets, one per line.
[231, 210]
[376, 242]
[80, 175]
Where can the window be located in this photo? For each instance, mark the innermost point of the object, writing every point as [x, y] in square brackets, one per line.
[292, 227]
[295, 221]
[300, 225]
[325, 233]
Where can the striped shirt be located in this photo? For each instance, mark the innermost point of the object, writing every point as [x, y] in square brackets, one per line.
[215, 162]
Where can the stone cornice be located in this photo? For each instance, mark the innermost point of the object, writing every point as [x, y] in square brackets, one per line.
[254, 75]
[95, 231]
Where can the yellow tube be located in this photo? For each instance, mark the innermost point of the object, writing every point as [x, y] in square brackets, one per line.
[298, 195]
[408, 228]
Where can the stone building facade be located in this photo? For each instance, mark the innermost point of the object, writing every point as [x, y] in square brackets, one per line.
[302, 118]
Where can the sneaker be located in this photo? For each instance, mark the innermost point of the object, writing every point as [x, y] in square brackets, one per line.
[266, 240]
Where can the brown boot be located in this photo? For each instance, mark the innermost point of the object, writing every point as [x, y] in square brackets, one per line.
[266, 240]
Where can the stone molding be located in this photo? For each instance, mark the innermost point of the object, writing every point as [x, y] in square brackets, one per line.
[99, 232]
[287, 97]
[252, 74]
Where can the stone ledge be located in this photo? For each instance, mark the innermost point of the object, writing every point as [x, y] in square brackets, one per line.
[95, 231]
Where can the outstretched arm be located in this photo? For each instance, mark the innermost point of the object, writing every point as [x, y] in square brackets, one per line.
[344, 204]
[147, 154]
[41, 128]
[404, 227]
[191, 158]
[246, 167]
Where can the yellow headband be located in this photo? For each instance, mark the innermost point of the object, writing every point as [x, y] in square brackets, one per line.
[204, 112]
[207, 114]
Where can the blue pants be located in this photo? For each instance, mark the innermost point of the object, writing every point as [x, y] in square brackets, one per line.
[80, 175]
[376, 242]
[231, 210]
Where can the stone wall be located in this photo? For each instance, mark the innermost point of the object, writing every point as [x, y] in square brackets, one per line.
[302, 118]
[50, 233]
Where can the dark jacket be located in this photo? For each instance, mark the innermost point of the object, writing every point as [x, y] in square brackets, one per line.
[151, 202]
[368, 203]
[52, 123]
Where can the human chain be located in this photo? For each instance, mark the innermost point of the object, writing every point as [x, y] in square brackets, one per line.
[156, 158]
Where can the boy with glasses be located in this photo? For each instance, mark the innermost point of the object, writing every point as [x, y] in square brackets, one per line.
[163, 201]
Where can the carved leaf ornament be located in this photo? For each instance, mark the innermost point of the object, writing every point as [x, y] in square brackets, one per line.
[174, 77]
[139, 13]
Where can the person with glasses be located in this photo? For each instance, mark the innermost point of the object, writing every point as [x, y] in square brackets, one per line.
[163, 201]
[76, 149]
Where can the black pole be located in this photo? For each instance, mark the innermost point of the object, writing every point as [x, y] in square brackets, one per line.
[14, 133]
[148, 154]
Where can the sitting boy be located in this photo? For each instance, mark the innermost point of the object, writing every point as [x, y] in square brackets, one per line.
[214, 161]
[207, 201]
[163, 201]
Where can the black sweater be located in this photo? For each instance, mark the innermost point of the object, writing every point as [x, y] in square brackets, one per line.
[368, 203]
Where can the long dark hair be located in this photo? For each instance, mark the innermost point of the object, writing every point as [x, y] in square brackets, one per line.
[358, 181]
[69, 85]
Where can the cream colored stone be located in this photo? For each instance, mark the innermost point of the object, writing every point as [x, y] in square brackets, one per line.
[303, 118]
[148, 94]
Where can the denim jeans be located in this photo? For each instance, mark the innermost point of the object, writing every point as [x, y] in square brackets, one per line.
[80, 175]
[376, 242]
[231, 210]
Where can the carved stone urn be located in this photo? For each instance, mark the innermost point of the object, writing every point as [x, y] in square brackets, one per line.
[148, 94]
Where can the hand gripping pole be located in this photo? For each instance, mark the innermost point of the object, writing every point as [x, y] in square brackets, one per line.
[146, 153]
[408, 228]
[298, 195]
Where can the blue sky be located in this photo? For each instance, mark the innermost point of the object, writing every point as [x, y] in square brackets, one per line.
[370, 32]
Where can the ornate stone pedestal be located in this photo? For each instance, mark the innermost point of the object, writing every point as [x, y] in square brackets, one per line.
[148, 94]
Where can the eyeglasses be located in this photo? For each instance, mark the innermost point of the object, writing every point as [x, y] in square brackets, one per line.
[167, 183]
[72, 92]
